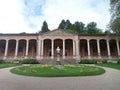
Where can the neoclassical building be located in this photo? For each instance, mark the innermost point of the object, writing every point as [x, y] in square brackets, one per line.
[43, 46]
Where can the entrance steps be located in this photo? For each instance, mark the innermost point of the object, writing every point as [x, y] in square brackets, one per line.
[53, 61]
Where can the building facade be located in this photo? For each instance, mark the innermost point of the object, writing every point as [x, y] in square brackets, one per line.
[43, 46]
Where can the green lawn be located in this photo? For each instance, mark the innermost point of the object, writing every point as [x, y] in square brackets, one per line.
[5, 65]
[111, 65]
[52, 71]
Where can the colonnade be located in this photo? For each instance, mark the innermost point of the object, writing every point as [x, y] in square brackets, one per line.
[39, 45]
[16, 49]
[117, 45]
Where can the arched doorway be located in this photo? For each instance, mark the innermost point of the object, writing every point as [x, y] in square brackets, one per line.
[2, 47]
[32, 48]
[83, 48]
[47, 48]
[113, 48]
[68, 47]
[11, 48]
[93, 48]
[58, 43]
[21, 48]
[103, 48]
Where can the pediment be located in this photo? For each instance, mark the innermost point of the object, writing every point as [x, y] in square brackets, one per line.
[57, 32]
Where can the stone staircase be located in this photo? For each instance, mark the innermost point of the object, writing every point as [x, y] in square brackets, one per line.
[53, 61]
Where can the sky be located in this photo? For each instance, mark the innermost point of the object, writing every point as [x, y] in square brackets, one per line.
[17, 16]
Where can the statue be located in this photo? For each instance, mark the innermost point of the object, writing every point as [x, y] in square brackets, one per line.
[58, 56]
[58, 62]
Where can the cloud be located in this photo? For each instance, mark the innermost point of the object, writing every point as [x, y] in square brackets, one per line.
[79, 10]
[28, 15]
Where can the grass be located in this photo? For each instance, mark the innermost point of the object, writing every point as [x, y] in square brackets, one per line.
[110, 65]
[52, 71]
[6, 65]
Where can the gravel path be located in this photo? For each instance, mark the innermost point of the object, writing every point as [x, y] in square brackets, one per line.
[108, 81]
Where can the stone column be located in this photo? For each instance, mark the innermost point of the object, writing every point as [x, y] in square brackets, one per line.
[16, 49]
[77, 51]
[52, 49]
[42, 42]
[63, 49]
[88, 46]
[108, 49]
[118, 48]
[73, 48]
[38, 48]
[98, 48]
[6, 49]
[27, 45]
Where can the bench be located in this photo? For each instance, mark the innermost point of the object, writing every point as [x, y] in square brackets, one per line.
[16, 62]
[99, 62]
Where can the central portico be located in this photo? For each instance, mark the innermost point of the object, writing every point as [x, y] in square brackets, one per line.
[48, 42]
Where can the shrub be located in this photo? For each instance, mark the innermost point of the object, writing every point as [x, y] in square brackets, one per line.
[29, 61]
[104, 61]
[118, 62]
[88, 61]
[2, 61]
[94, 61]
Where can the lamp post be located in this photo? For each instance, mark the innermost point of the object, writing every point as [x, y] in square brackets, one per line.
[58, 56]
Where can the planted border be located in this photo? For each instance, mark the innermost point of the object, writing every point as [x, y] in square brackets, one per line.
[52, 71]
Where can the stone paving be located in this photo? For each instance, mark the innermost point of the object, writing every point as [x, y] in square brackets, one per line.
[108, 81]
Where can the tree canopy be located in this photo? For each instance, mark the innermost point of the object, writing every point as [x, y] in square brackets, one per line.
[64, 24]
[115, 16]
[79, 27]
[92, 28]
[44, 27]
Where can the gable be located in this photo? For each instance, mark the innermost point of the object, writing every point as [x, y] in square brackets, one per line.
[57, 32]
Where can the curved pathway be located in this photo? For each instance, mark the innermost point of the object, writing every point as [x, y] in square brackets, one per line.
[108, 81]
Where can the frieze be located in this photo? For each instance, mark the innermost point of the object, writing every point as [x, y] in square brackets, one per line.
[57, 32]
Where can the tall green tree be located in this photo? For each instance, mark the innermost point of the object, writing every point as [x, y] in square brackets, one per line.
[115, 16]
[78, 27]
[44, 27]
[91, 28]
[65, 25]
[62, 25]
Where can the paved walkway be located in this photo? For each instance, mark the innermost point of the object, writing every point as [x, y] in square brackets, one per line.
[108, 81]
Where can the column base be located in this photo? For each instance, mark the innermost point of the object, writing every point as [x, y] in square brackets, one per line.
[89, 57]
[41, 57]
[26, 57]
[4, 57]
[15, 57]
[109, 57]
[64, 57]
[78, 59]
[52, 57]
[99, 57]
[37, 57]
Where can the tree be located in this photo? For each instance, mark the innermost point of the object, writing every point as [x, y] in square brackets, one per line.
[44, 27]
[62, 24]
[115, 16]
[78, 27]
[92, 28]
[65, 25]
